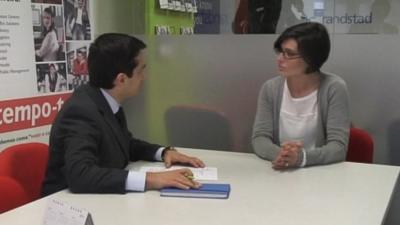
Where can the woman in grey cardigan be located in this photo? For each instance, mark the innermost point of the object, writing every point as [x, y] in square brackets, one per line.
[302, 116]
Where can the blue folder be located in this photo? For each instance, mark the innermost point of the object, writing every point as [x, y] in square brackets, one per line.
[205, 191]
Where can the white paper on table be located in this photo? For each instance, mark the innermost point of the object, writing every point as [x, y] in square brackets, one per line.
[206, 173]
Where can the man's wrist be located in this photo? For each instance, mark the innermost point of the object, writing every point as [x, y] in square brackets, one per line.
[166, 149]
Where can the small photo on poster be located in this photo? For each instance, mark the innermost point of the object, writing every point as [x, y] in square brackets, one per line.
[162, 30]
[187, 30]
[171, 4]
[183, 6]
[77, 68]
[194, 6]
[163, 4]
[189, 6]
[48, 32]
[177, 5]
[59, 2]
[51, 77]
[77, 20]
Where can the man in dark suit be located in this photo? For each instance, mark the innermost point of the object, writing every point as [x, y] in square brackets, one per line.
[90, 144]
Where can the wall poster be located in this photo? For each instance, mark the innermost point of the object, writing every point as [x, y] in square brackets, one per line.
[43, 51]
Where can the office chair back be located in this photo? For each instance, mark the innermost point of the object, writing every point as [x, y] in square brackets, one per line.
[12, 194]
[361, 146]
[198, 127]
[26, 164]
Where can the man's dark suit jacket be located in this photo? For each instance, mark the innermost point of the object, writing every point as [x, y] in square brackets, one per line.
[89, 149]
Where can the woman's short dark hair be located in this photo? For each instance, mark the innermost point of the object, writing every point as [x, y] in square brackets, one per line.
[313, 43]
[111, 54]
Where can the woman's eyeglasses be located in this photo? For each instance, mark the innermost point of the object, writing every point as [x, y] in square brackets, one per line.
[287, 54]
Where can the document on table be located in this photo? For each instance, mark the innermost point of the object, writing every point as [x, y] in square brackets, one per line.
[206, 173]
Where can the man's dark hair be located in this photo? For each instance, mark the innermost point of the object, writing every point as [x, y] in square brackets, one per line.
[313, 43]
[111, 54]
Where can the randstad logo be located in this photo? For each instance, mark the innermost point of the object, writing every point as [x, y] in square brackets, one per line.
[347, 19]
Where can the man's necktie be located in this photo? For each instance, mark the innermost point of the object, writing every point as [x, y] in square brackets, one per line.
[120, 115]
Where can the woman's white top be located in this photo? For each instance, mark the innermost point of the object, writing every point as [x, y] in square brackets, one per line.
[298, 119]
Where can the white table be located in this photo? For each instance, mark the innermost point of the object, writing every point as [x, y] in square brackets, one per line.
[342, 193]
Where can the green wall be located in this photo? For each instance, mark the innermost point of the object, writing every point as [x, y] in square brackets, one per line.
[168, 83]
[162, 68]
[138, 17]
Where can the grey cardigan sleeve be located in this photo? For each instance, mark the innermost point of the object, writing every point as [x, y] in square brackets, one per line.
[263, 129]
[336, 124]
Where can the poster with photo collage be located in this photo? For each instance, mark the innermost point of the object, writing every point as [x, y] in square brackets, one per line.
[62, 34]
[43, 57]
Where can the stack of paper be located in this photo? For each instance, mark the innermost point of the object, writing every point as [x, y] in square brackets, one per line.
[206, 173]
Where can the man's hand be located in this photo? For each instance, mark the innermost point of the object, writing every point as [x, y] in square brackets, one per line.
[173, 156]
[288, 156]
[175, 178]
